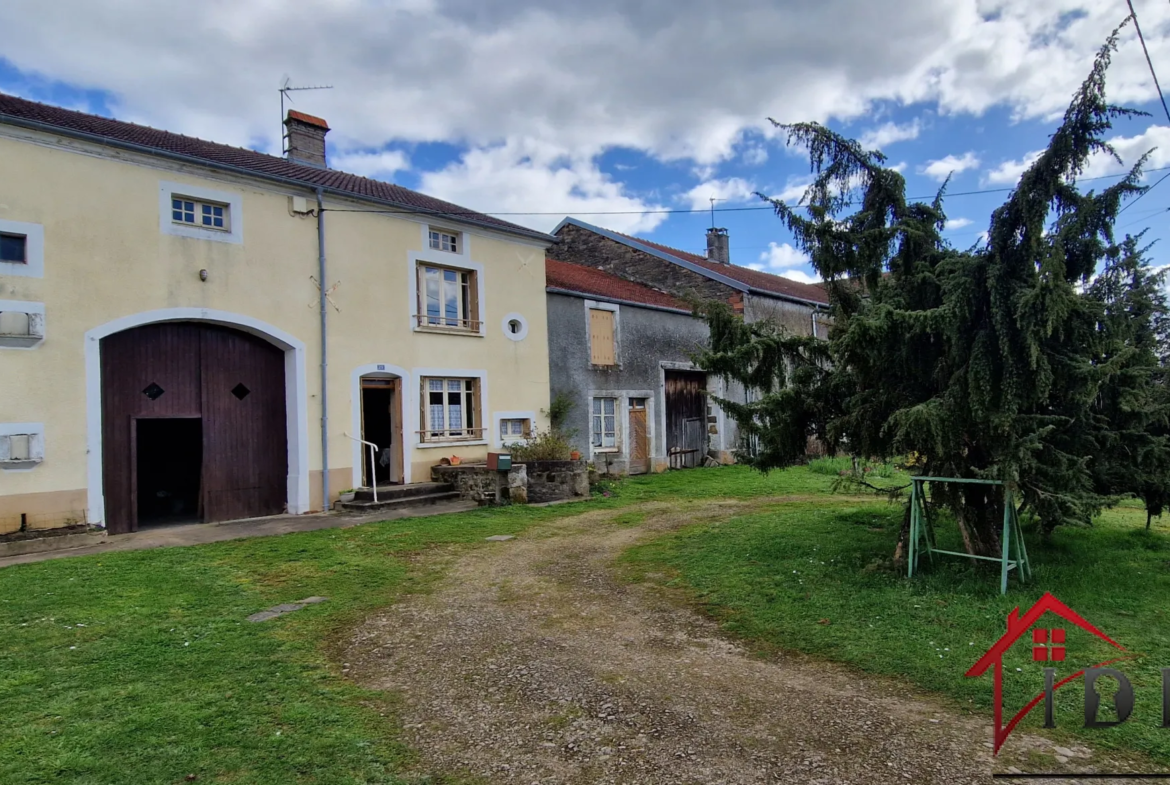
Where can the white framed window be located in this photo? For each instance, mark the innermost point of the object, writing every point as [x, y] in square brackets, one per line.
[440, 240]
[22, 445]
[450, 410]
[448, 298]
[206, 215]
[22, 324]
[22, 249]
[515, 429]
[202, 213]
[605, 423]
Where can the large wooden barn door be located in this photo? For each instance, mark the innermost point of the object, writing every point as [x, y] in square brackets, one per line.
[245, 455]
[150, 372]
[686, 419]
[227, 385]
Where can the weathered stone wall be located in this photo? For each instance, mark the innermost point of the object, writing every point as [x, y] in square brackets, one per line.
[473, 481]
[550, 481]
[581, 246]
[536, 481]
[794, 317]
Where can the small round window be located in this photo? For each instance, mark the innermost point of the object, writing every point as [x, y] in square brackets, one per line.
[515, 327]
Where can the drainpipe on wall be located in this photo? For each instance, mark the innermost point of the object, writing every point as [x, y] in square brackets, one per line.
[324, 354]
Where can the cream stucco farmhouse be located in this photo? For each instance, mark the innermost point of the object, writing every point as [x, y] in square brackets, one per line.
[197, 331]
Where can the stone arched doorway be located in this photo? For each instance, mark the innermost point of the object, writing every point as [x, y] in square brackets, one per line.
[193, 425]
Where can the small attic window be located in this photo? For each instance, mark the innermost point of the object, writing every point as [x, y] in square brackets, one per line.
[205, 215]
[444, 241]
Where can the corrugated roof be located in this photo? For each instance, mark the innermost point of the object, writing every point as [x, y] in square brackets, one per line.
[756, 279]
[588, 280]
[19, 111]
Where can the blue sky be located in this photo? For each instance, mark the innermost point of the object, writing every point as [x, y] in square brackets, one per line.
[616, 112]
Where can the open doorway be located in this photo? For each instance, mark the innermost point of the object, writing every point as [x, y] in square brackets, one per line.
[381, 425]
[168, 469]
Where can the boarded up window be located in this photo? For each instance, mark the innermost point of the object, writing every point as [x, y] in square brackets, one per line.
[601, 343]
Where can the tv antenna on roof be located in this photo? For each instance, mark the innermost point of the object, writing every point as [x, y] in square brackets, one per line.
[713, 201]
[285, 89]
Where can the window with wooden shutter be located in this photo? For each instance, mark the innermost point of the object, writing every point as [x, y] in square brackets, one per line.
[601, 342]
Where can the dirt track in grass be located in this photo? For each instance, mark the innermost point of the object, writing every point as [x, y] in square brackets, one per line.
[534, 663]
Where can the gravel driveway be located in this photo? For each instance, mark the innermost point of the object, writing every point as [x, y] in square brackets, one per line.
[533, 663]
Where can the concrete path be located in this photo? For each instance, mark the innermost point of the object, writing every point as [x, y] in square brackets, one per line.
[199, 533]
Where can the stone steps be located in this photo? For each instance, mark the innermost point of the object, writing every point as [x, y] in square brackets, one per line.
[399, 503]
[394, 492]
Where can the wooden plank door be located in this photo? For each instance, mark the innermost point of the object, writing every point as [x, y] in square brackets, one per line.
[150, 371]
[639, 437]
[686, 418]
[245, 445]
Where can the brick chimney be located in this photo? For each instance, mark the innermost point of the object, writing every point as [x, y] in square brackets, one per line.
[306, 138]
[717, 247]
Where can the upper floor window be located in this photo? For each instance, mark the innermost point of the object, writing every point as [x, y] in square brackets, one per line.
[602, 346]
[450, 410]
[13, 248]
[205, 215]
[448, 298]
[444, 241]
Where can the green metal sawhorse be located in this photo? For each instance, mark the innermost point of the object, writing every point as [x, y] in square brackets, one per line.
[922, 532]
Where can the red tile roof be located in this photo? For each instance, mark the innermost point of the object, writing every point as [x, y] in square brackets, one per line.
[18, 111]
[756, 279]
[587, 280]
[307, 118]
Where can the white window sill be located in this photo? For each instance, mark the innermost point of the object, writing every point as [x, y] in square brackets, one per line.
[469, 443]
[20, 341]
[18, 466]
[607, 450]
[449, 331]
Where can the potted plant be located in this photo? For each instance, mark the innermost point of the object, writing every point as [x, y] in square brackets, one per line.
[347, 495]
[575, 455]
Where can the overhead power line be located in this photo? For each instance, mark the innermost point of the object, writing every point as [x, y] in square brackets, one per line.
[1161, 97]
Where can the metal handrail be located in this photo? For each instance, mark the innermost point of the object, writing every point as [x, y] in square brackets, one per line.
[373, 468]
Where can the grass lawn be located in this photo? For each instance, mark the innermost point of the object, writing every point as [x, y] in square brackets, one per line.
[813, 578]
[139, 668]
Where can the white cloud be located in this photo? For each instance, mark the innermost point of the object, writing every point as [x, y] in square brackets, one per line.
[755, 156]
[1009, 172]
[888, 134]
[654, 76]
[957, 223]
[942, 168]
[794, 189]
[801, 276]
[673, 80]
[516, 176]
[382, 164]
[781, 256]
[1131, 148]
[733, 189]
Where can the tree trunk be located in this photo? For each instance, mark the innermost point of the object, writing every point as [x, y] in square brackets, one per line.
[903, 547]
[980, 518]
